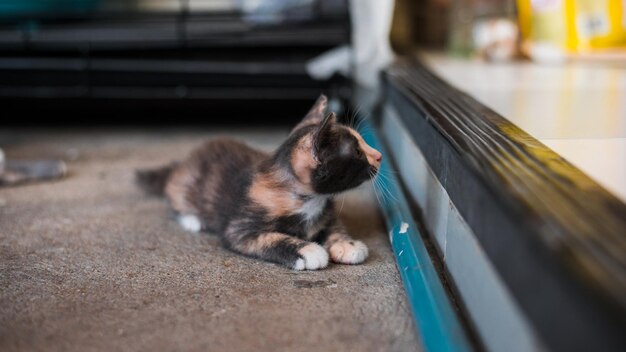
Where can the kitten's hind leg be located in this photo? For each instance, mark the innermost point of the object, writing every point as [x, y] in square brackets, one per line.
[345, 250]
[190, 222]
[283, 249]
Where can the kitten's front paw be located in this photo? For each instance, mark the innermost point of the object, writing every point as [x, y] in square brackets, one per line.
[348, 252]
[314, 257]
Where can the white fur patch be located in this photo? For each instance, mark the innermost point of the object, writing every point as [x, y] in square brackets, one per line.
[314, 257]
[299, 264]
[190, 223]
[349, 252]
[312, 208]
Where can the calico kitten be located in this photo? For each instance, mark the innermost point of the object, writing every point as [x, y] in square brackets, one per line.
[276, 207]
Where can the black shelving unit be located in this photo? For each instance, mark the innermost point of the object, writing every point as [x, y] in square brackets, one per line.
[181, 61]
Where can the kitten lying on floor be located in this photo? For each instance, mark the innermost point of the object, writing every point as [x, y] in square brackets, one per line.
[276, 207]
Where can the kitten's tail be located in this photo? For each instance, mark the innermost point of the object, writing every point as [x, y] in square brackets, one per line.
[152, 181]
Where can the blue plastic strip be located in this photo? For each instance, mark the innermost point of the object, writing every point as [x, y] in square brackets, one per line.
[437, 323]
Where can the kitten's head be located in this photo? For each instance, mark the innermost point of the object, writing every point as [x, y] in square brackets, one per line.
[329, 156]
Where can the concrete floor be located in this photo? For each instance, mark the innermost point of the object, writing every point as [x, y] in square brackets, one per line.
[90, 263]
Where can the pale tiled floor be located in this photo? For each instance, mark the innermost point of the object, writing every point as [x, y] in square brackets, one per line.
[578, 110]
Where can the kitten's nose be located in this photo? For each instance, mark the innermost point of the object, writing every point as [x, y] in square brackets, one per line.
[376, 155]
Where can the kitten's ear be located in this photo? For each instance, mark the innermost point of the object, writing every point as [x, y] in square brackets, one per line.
[316, 114]
[322, 134]
[327, 122]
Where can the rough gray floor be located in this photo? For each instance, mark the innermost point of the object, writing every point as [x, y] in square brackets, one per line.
[89, 263]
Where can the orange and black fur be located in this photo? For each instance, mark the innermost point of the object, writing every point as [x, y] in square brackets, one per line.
[277, 207]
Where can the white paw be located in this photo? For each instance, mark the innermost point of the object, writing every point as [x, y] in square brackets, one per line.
[349, 252]
[190, 223]
[314, 257]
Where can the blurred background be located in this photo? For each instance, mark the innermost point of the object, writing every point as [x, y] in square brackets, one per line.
[243, 56]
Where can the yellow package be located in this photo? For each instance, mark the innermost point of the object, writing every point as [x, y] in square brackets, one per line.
[573, 26]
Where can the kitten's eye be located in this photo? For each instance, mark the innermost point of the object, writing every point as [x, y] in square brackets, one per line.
[358, 152]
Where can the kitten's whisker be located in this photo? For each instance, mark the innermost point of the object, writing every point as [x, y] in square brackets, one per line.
[387, 177]
[384, 174]
[343, 198]
[360, 122]
[389, 171]
[350, 117]
[376, 194]
[366, 131]
[385, 190]
[374, 188]
[357, 110]
[353, 117]
[363, 128]
[390, 195]
[365, 115]
[382, 189]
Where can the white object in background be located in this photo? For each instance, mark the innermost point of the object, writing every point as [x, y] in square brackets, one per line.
[370, 51]
[496, 39]
[191, 5]
[273, 11]
[1, 161]
[212, 5]
[337, 60]
[545, 52]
